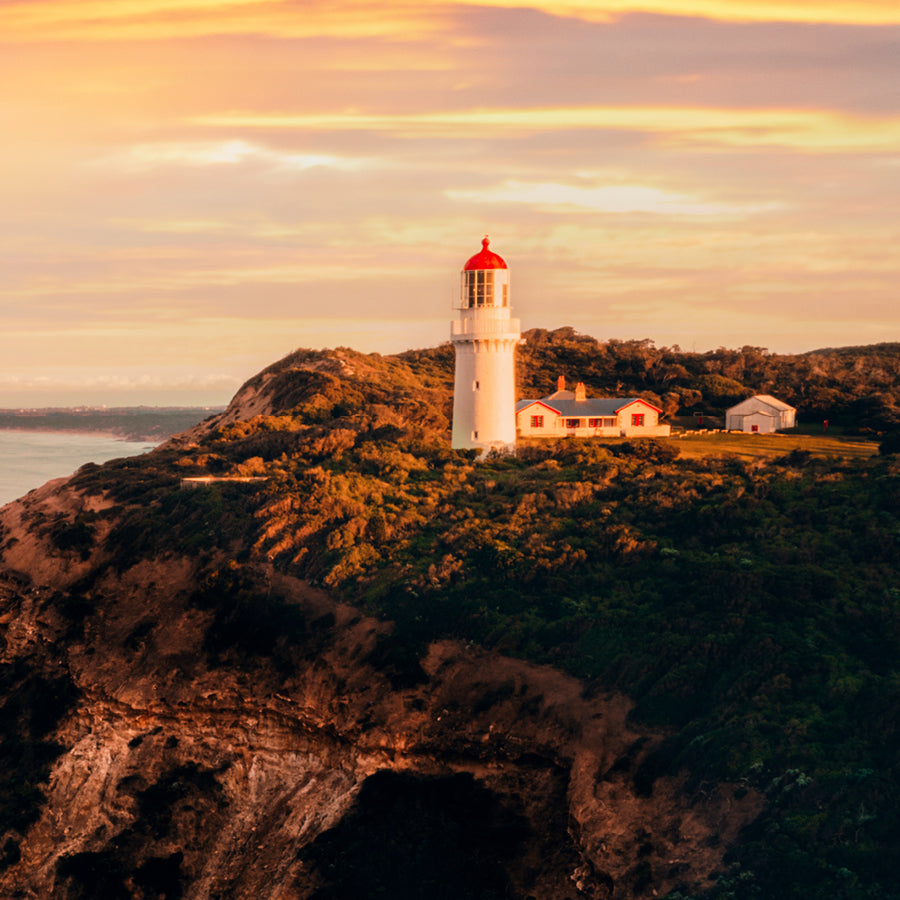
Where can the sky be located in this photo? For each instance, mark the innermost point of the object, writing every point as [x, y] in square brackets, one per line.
[191, 189]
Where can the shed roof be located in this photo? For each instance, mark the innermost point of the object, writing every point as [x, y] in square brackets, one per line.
[765, 399]
[773, 401]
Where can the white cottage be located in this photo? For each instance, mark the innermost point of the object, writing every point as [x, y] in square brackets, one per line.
[760, 414]
[572, 414]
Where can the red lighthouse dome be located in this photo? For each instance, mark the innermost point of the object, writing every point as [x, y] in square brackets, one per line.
[485, 259]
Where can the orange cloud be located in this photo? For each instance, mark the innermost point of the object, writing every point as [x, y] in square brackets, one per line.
[810, 130]
[100, 20]
[844, 12]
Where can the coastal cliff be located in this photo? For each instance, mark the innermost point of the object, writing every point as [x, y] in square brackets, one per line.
[353, 679]
[181, 775]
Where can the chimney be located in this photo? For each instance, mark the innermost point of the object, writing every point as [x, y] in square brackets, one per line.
[561, 383]
[579, 391]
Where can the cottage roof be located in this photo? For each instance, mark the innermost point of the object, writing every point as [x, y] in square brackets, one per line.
[559, 396]
[524, 404]
[565, 404]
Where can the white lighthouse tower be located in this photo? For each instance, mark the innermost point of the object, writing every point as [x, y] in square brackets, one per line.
[485, 338]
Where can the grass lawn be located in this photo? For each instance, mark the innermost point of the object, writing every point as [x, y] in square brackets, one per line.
[754, 446]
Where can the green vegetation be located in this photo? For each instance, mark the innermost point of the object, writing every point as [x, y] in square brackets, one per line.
[856, 388]
[752, 447]
[742, 590]
[77, 535]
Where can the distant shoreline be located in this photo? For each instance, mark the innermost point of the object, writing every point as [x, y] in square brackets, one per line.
[135, 438]
[136, 424]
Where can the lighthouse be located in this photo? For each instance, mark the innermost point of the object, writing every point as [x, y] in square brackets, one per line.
[484, 339]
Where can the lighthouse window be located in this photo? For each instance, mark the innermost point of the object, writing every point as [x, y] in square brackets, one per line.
[485, 290]
[506, 294]
[479, 288]
[476, 385]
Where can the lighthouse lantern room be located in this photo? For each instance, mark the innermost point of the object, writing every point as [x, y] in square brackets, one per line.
[484, 339]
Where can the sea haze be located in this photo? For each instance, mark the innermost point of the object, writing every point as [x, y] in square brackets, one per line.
[28, 459]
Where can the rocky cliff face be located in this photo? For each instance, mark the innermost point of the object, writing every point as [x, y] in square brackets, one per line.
[178, 725]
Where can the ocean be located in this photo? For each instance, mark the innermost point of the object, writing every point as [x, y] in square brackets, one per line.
[28, 459]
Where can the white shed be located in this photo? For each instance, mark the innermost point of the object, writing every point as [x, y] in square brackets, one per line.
[760, 414]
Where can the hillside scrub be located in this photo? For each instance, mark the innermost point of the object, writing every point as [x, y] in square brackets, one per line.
[750, 607]
[854, 387]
